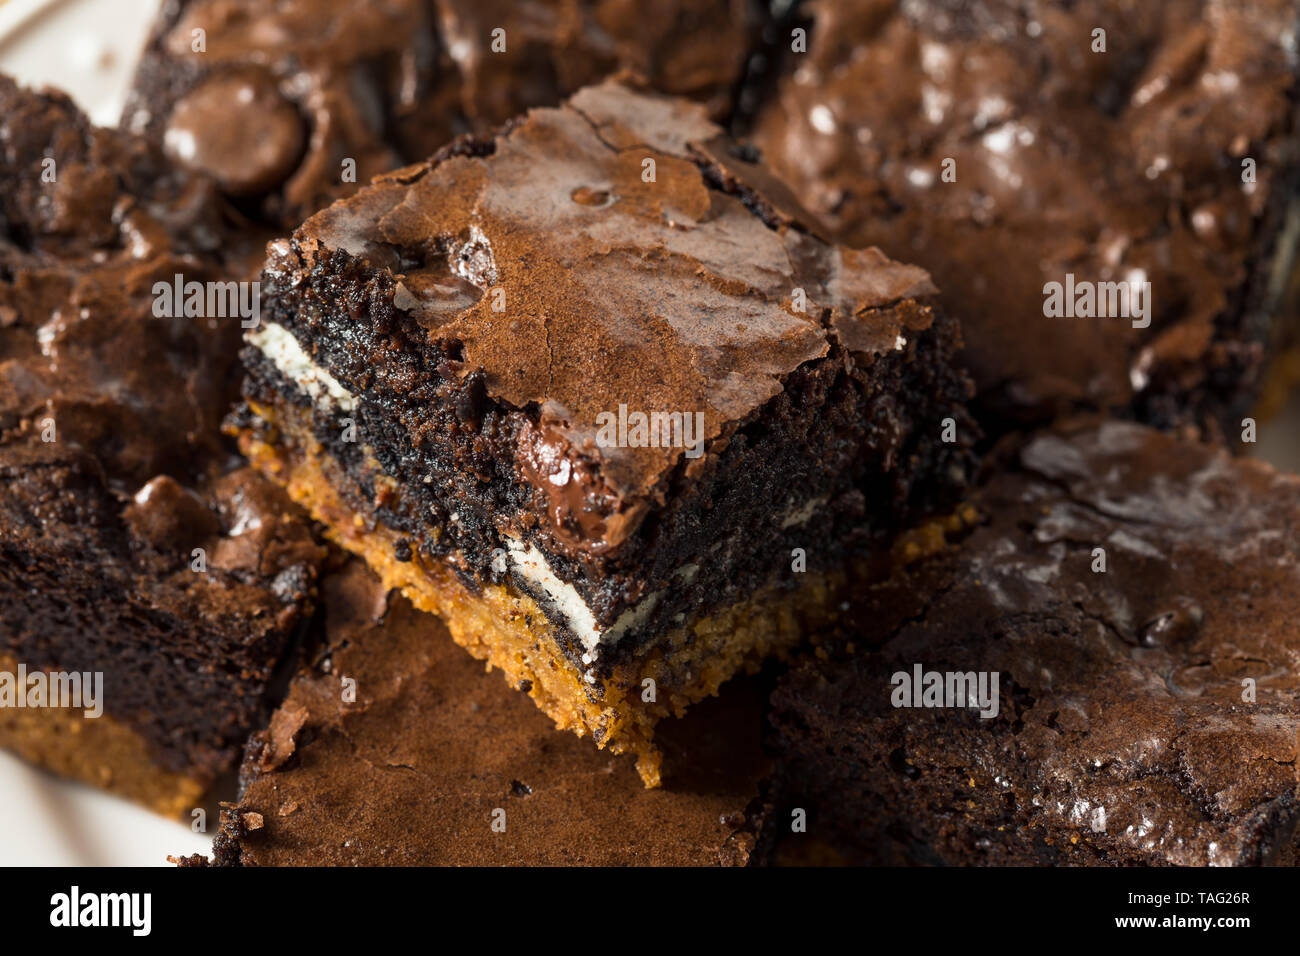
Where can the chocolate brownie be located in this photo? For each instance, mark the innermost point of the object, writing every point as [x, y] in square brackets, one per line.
[434, 762]
[1007, 145]
[1131, 598]
[274, 100]
[132, 546]
[592, 391]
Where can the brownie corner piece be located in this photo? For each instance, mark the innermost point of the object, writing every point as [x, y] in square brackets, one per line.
[593, 391]
[172, 612]
[1098, 675]
[142, 571]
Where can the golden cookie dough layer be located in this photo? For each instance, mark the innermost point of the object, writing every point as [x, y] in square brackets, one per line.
[102, 752]
[508, 629]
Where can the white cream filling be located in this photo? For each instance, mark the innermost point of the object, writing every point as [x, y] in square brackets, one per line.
[801, 513]
[282, 349]
[1287, 242]
[530, 564]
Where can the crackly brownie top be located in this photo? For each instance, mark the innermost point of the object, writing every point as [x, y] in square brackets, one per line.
[1147, 710]
[433, 750]
[110, 414]
[1123, 165]
[617, 251]
[281, 95]
[92, 219]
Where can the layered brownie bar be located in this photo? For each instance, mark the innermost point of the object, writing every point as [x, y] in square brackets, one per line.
[591, 391]
[140, 569]
[1103, 673]
[433, 762]
[292, 104]
[1140, 156]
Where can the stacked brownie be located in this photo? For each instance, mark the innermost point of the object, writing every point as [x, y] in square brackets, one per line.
[137, 549]
[447, 359]
[630, 409]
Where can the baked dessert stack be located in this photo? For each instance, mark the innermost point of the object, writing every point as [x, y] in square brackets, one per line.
[677, 433]
[592, 391]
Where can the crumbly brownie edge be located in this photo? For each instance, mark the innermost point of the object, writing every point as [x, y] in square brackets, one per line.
[192, 703]
[1250, 331]
[89, 583]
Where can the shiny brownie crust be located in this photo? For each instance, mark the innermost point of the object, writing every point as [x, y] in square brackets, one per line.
[313, 83]
[1115, 164]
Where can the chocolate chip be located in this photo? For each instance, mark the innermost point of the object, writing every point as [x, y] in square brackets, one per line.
[167, 516]
[1178, 625]
[239, 129]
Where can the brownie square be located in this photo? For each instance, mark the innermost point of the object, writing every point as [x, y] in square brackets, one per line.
[1131, 599]
[1005, 145]
[293, 104]
[132, 544]
[395, 749]
[591, 390]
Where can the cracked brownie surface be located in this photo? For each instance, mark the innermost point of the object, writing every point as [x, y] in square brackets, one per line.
[113, 472]
[1004, 145]
[1147, 711]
